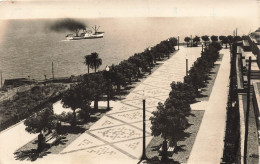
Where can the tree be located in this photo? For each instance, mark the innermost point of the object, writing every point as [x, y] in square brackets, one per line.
[41, 121]
[182, 91]
[214, 38]
[237, 38]
[196, 39]
[187, 39]
[128, 70]
[72, 98]
[216, 45]
[95, 85]
[225, 41]
[88, 61]
[96, 62]
[221, 38]
[168, 122]
[205, 38]
[117, 77]
[230, 39]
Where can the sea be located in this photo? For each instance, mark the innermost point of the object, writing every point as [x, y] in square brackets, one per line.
[28, 47]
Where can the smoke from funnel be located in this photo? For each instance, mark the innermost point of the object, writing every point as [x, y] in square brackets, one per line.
[68, 24]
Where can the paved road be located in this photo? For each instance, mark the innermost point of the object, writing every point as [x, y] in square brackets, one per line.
[209, 143]
[117, 136]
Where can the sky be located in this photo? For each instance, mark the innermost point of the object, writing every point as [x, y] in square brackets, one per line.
[28, 9]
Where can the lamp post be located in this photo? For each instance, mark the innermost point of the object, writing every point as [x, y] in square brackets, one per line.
[187, 63]
[108, 95]
[144, 146]
[247, 111]
[168, 52]
[1, 79]
[178, 42]
[191, 41]
[149, 50]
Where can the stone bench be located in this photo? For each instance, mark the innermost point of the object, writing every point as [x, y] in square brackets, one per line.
[52, 138]
[170, 149]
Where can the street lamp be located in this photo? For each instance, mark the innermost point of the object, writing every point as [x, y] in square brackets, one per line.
[108, 95]
[187, 63]
[149, 50]
[144, 146]
[178, 42]
[168, 52]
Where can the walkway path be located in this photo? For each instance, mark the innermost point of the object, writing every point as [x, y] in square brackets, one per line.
[209, 143]
[117, 136]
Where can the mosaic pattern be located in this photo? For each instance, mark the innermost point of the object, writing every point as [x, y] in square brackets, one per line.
[120, 107]
[154, 92]
[151, 109]
[118, 133]
[82, 142]
[102, 151]
[135, 95]
[149, 102]
[143, 87]
[148, 126]
[105, 122]
[133, 116]
[134, 147]
[162, 97]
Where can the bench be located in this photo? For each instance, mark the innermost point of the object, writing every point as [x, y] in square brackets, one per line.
[170, 149]
[52, 138]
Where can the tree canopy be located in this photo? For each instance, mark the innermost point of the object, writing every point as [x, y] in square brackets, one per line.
[168, 122]
[214, 38]
[95, 61]
[187, 39]
[41, 121]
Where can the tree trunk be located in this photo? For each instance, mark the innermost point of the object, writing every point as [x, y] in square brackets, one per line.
[118, 87]
[138, 73]
[88, 68]
[95, 69]
[40, 142]
[74, 117]
[226, 45]
[96, 104]
[164, 151]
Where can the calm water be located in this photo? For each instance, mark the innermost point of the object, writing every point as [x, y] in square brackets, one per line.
[28, 48]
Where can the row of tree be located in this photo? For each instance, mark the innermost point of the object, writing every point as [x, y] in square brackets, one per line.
[92, 87]
[206, 39]
[170, 119]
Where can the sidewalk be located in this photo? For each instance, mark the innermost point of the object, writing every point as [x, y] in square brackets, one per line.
[209, 143]
[117, 136]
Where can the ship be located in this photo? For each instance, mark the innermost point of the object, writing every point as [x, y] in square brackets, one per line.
[87, 34]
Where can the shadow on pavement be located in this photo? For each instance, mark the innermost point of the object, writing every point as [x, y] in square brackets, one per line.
[31, 155]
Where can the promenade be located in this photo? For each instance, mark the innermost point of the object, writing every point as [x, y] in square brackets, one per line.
[117, 136]
[209, 143]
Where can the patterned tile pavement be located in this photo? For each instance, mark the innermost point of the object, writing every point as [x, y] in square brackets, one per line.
[117, 136]
[119, 132]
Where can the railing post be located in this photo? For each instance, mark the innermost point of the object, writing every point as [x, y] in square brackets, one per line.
[247, 110]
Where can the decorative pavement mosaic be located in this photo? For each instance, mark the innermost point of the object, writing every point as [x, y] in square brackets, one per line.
[119, 133]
